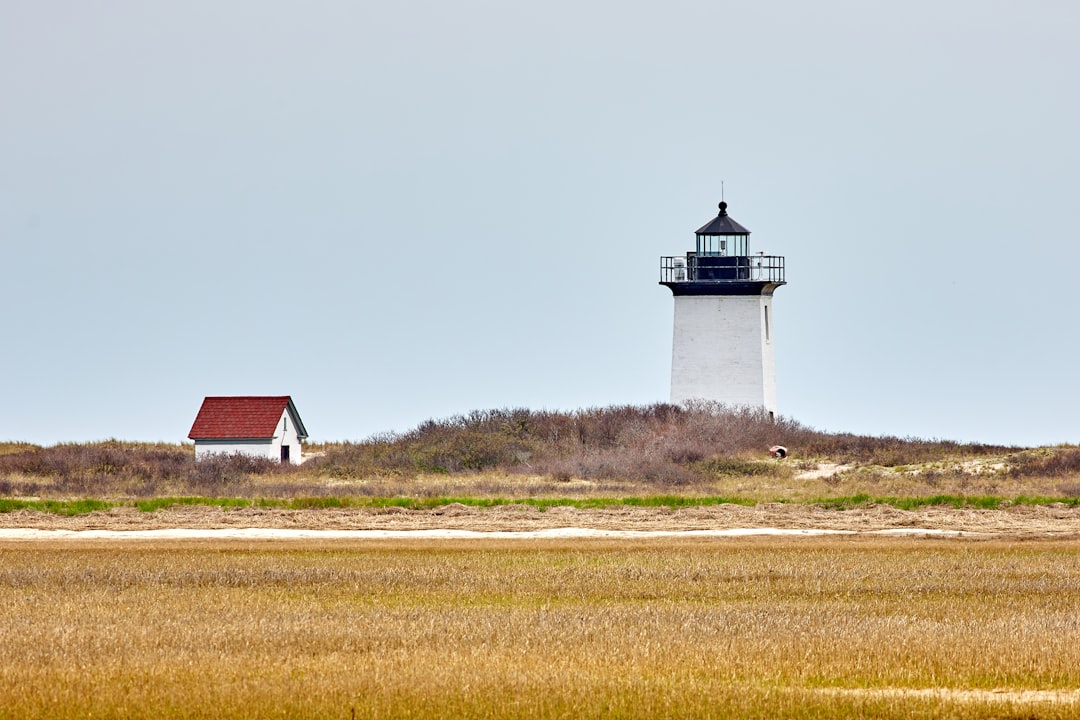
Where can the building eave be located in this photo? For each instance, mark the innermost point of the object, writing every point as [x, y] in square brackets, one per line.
[722, 287]
[298, 424]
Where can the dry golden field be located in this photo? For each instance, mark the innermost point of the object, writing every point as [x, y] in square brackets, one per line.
[748, 627]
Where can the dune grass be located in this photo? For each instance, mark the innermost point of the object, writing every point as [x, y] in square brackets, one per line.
[782, 628]
[628, 451]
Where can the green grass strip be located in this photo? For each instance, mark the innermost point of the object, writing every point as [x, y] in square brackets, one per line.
[1041, 500]
[57, 507]
[167, 502]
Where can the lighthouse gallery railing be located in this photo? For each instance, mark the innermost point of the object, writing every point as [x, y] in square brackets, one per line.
[721, 268]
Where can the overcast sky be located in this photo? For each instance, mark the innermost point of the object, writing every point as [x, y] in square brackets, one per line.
[397, 211]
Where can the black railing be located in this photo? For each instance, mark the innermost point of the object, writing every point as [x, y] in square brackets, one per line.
[722, 268]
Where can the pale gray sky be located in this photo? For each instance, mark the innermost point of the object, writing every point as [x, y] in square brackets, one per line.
[397, 211]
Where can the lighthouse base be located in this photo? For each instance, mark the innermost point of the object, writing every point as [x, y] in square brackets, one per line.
[722, 350]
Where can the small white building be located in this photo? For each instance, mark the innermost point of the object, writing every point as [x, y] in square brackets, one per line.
[260, 426]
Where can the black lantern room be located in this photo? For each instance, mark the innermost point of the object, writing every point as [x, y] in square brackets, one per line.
[722, 236]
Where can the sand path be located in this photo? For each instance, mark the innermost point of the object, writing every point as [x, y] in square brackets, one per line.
[524, 521]
[286, 534]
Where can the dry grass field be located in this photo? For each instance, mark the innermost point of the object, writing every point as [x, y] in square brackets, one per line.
[766, 627]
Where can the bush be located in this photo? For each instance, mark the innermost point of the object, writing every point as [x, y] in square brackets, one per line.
[1060, 463]
[114, 467]
[665, 444]
[668, 444]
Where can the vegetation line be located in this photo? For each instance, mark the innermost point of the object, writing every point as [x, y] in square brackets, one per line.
[89, 505]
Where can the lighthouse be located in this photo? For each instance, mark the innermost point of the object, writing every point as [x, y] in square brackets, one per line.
[722, 348]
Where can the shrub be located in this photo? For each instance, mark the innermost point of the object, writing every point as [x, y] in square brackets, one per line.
[1060, 463]
[138, 469]
[670, 445]
[737, 466]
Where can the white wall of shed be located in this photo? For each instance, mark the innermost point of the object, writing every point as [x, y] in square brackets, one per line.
[285, 434]
[263, 449]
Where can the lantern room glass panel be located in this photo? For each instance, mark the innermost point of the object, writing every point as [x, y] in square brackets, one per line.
[722, 245]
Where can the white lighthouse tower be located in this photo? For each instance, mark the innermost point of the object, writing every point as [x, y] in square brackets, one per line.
[723, 342]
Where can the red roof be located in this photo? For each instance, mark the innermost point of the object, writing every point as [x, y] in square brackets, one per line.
[243, 417]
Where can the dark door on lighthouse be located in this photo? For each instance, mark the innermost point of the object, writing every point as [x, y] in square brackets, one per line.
[284, 453]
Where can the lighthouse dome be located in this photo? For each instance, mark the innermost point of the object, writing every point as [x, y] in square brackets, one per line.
[722, 224]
